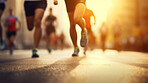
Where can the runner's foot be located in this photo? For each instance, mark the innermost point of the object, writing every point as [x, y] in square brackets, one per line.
[34, 53]
[49, 49]
[76, 51]
[84, 40]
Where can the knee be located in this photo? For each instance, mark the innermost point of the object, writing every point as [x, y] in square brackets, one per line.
[37, 24]
[77, 19]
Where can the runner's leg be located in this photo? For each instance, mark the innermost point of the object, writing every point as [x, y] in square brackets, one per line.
[1, 30]
[37, 23]
[73, 33]
[78, 15]
[30, 22]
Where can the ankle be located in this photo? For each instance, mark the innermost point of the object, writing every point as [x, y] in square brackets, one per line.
[83, 30]
[76, 47]
[35, 49]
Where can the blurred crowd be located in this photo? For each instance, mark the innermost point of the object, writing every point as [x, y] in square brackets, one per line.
[109, 37]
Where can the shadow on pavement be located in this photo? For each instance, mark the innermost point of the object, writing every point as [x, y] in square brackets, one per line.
[12, 60]
[58, 72]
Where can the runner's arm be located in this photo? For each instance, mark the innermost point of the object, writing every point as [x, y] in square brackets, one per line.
[44, 22]
[19, 27]
[94, 18]
[56, 23]
[5, 22]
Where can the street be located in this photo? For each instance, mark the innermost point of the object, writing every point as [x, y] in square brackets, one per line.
[60, 67]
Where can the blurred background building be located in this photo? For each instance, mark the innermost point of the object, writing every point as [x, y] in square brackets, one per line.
[132, 16]
[24, 38]
[17, 8]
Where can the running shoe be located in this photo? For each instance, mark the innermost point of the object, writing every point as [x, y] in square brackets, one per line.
[34, 53]
[84, 52]
[76, 51]
[11, 52]
[3, 45]
[49, 49]
[84, 40]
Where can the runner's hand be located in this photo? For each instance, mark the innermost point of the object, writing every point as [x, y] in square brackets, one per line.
[55, 2]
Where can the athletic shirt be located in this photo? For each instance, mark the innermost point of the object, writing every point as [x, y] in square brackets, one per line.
[11, 21]
[2, 1]
[51, 19]
[87, 16]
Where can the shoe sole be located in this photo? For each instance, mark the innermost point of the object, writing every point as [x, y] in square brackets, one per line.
[82, 44]
[74, 55]
[35, 56]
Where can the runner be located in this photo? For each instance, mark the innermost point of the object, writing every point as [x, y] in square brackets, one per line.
[117, 36]
[50, 29]
[34, 12]
[62, 40]
[10, 23]
[103, 32]
[2, 7]
[87, 16]
[76, 9]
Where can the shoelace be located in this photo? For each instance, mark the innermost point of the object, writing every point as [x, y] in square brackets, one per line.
[35, 50]
[83, 36]
[76, 48]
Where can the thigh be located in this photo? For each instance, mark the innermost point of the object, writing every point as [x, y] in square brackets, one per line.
[2, 7]
[70, 5]
[8, 34]
[12, 37]
[40, 7]
[30, 22]
[0, 33]
[1, 13]
[29, 8]
[38, 15]
[41, 4]
[79, 10]
[29, 12]
[71, 20]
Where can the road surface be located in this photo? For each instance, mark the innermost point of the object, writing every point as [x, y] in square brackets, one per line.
[60, 67]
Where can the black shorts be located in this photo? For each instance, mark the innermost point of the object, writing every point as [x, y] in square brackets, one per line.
[31, 6]
[2, 6]
[71, 4]
[9, 34]
[50, 29]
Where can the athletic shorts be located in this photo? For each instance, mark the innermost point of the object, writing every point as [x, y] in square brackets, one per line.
[50, 29]
[2, 6]
[9, 34]
[71, 4]
[31, 6]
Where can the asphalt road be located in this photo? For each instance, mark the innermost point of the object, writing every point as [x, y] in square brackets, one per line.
[60, 67]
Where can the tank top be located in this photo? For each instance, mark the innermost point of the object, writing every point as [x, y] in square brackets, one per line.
[12, 24]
